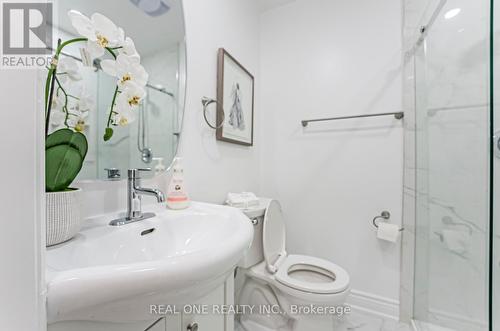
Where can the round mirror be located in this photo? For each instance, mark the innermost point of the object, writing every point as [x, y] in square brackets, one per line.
[148, 135]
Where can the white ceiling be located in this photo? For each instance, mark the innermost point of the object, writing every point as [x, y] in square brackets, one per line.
[265, 5]
[149, 33]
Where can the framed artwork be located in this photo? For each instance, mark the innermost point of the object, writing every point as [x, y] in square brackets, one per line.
[235, 94]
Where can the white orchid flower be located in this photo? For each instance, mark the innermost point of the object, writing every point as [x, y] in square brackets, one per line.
[124, 117]
[78, 121]
[130, 97]
[129, 49]
[77, 118]
[126, 69]
[68, 69]
[100, 31]
[127, 102]
[80, 125]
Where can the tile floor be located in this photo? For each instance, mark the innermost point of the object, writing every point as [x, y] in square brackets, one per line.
[361, 321]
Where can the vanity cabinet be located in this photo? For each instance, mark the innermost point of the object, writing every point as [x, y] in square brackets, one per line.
[190, 319]
[210, 319]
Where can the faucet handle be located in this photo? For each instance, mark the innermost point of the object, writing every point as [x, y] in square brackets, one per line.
[113, 173]
[134, 173]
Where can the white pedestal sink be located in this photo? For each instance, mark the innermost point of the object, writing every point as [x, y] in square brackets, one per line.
[110, 273]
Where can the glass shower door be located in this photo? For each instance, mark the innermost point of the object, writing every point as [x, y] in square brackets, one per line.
[452, 170]
[495, 165]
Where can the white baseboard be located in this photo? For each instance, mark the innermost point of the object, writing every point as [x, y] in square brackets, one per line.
[453, 321]
[374, 304]
[457, 321]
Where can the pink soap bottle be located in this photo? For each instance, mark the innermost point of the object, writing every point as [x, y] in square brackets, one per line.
[177, 197]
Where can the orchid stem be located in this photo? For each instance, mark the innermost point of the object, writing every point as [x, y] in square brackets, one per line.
[49, 89]
[111, 112]
[65, 107]
[53, 67]
[51, 77]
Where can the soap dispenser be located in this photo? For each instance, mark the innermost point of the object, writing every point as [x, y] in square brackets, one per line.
[177, 197]
[159, 167]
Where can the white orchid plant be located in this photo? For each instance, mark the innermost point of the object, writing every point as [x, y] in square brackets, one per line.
[67, 104]
[100, 36]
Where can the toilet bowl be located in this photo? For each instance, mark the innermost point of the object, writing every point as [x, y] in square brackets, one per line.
[294, 283]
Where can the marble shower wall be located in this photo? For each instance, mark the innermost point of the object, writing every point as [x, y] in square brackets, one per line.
[446, 163]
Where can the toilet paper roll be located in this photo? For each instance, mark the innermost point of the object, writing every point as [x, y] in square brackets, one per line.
[388, 232]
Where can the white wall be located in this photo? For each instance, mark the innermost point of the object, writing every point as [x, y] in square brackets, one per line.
[22, 306]
[322, 58]
[213, 168]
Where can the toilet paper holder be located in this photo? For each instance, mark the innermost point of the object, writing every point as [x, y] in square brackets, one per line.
[384, 215]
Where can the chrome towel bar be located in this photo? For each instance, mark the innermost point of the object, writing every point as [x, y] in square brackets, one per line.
[398, 115]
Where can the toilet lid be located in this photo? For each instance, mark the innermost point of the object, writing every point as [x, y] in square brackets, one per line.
[274, 236]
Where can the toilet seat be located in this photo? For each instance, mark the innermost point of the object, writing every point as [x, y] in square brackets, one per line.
[274, 236]
[336, 279]
[318, 275]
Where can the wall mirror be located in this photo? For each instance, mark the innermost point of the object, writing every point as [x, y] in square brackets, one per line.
[150, 139]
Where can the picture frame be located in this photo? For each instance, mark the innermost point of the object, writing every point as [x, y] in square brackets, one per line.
[235, 101]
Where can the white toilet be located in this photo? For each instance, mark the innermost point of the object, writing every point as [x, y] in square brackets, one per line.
[270, 279]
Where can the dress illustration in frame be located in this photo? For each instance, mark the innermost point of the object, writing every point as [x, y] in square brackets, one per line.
[235, 101]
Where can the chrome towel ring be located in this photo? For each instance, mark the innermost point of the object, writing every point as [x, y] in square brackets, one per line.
[205, 101]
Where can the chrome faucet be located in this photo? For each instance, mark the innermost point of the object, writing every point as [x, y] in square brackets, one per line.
[134, 192]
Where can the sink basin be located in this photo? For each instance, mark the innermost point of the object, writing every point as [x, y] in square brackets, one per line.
[110, 273]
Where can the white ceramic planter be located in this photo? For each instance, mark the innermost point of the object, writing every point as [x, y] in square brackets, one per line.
[63, 215]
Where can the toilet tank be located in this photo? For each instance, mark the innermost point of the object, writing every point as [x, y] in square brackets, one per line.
[255, 253]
